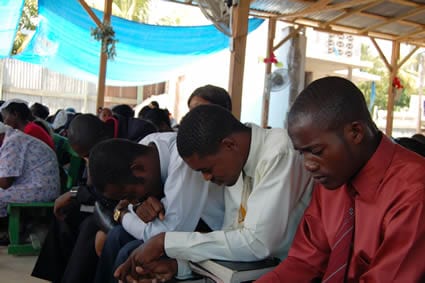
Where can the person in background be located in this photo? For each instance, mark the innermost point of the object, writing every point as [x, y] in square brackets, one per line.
[419, 137]
[412, 144]
[210, 94]
[16, 114]
[123, 110]
[68, 253]
[275, 186]
[105, 114]
[39, 110]
[29, 169]
[154, 104]
[366, 220]
[160, 118]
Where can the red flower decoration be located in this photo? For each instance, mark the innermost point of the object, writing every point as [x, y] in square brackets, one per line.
[271, 59]
[397, 84]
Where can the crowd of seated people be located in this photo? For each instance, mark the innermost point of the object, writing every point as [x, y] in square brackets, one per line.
[154, 197]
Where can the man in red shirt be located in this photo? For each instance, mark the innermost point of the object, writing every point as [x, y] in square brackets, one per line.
[360, 171]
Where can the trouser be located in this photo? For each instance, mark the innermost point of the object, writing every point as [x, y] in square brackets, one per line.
[68, 254]
[118, 247]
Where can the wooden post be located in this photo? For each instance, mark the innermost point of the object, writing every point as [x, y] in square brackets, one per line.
[266, 92]
[393, 73]
[103, 59]
[237, 55]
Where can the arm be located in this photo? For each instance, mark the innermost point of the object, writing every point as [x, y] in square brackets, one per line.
[185, 196]
[281, 191]
[6, 182]
[399, 258]
[11, 165]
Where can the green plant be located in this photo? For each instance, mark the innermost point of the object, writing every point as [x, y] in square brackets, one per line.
[106, 35]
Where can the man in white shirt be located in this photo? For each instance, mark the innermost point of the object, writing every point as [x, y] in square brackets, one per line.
[123, 169]
[275, 190]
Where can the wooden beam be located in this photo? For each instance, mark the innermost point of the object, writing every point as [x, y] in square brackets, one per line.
[289, 36]
[390, 20]
[393, 73]
[406, 36]
[103, 59]
[312, 7]
[407, 57]
[381, 54]
[351, 11]
[266, 93]
[91, 13]
[406, 3]
[327, 8]
[237, 55]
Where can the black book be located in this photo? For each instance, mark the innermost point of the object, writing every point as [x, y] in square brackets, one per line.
[222, 271]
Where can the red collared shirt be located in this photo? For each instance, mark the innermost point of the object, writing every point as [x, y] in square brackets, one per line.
[389, 237]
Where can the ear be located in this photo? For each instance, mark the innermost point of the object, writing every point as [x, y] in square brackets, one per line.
[355, 132]
[229, 144]
[137, 168]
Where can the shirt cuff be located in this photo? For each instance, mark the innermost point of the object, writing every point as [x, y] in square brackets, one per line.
[183, 270]
[173, 244]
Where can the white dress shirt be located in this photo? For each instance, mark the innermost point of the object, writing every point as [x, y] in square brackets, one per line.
[281, 190]
[186, 194]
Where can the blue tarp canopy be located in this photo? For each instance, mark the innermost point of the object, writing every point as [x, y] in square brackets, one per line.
[10, 14]
[145, 53]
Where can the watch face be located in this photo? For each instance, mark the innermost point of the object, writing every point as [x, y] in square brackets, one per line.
[117, 215]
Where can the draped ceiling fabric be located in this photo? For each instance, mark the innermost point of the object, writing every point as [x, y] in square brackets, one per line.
[145, 53]
[10, 14]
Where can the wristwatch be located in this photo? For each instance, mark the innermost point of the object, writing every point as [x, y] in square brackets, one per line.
[118, 213]
[74, 192]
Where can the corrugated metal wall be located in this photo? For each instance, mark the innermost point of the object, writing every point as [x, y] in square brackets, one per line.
[36, 84]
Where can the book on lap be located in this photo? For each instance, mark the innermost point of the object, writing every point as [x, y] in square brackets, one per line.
[221, 271]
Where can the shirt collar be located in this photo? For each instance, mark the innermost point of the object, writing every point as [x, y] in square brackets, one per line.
[254, 150]
[371, 175]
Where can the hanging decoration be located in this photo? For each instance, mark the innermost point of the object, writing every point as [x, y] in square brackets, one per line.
[272, 60]
[397, 88]
[106, 35]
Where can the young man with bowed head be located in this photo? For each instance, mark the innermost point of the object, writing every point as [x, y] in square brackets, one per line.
[170, 196]
[276, 189]
[365, 222]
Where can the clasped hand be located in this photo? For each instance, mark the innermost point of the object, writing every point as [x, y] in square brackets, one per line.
[147, 264]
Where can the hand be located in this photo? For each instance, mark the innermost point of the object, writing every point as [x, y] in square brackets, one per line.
[162, 270]
[150, 209]
[145, 254]
[61, 203]
[122, 204]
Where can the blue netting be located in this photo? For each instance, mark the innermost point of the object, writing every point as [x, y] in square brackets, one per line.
[145, 53]
[10, 14]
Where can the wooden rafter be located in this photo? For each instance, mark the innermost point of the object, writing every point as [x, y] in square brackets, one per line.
[393, 19]
[407, 57]
[350, 11]
[406, 36]
[289, 36]
[327, 8]
[381, 54]
[91, 13]
[319, 5]
[405, 3]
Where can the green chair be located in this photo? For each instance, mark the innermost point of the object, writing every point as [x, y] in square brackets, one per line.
[73, 167]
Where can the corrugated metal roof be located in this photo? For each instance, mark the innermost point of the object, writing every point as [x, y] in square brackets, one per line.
[402, 20]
